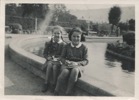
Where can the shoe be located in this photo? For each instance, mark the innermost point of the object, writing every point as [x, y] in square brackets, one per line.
[56, 93]
[45, 87]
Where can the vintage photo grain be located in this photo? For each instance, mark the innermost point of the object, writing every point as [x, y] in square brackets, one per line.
[70, 50]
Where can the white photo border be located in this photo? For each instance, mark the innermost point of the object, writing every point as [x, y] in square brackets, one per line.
[32, 97]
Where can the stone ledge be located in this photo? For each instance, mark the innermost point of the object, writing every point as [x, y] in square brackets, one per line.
[119, 55]
[84, 86]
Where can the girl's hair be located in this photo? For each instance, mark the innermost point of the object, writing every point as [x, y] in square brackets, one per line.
[60, 28]
[76, 29]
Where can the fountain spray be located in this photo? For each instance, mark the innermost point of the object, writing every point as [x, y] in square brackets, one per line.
[43, 26]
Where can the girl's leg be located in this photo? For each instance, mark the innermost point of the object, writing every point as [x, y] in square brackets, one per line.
[72, 80]
[64, 74]
[48, 72]
[56, 69]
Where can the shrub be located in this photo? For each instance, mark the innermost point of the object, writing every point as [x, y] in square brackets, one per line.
[124, 49]
[15, 27]
[129, 38]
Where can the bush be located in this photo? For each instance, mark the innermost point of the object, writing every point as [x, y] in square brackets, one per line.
[123, 49]
[129, 38]
[15, 28]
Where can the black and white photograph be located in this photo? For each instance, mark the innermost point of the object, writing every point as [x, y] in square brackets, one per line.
[70, 50]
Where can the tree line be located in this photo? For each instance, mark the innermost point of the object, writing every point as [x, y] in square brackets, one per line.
[61, 16]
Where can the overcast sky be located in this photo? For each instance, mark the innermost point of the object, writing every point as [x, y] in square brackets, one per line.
[99, 13]
[93, 6]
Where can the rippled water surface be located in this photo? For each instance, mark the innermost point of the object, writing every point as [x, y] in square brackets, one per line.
[110, 69]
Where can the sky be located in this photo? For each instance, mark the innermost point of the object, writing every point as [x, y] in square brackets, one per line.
[93, 6]
[99, 13]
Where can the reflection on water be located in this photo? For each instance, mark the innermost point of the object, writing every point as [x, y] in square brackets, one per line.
[130, 66]
[126, 65]
[105, 67]
[108, 68]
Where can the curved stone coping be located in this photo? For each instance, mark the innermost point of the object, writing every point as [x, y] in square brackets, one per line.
[17, 45]
[88, 38]
[84, 86]
[100, 39]
[96, 37]
[119, 55]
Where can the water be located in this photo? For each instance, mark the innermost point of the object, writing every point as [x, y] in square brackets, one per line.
[109, 69]
[105, 67]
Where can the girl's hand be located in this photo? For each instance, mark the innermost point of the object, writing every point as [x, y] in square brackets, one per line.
[70, 63]
[56, 59]
[74, 63]
[49, 58]
[67, 62]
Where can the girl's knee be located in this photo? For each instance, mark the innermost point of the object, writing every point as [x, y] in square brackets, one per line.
[65, 71]
[75, 71]
[74, 74]
[64, 74]
[49, 65]
[55, 67]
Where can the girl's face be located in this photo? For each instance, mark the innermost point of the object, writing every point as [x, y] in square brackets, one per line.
[76, 38]
[57, 35]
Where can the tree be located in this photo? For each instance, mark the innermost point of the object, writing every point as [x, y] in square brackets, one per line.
[132, 24]
[66, 17]
[58, 10]
[83, 25]
[35, 10]
[129, 38]
[114, 16]
[10, 9]
[62, 16]
[123, 27]
[61, 13]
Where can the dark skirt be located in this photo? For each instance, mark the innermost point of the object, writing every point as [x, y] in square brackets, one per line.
[44, 66]
[80, 68]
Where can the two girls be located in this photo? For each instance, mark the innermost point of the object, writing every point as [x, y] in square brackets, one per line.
[74, 56]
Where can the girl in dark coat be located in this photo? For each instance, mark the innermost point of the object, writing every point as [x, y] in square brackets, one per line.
[52, 52]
